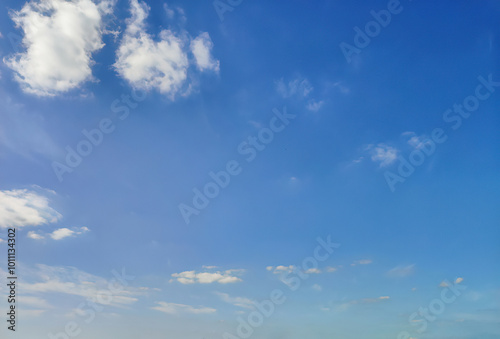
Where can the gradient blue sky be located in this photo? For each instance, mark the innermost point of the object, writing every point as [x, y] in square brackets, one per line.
[211, 85]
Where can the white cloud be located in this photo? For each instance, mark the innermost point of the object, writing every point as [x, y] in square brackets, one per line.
[71, 281]
[459, 280]
[281, 269]
[382, 154]
[172, 308]
[331, 269]
[201, 48]
[299, 87]
[237, 301]
[416, 141]
[162, 65]
[313, 271]
[314, 105]
[59, 233]
[361, 262]
[221, 277]
[64, 232]
[401, 271]
[60, 37]
[34, 235]
[21, 207]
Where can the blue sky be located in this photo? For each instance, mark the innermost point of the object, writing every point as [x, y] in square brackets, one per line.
[389, 150]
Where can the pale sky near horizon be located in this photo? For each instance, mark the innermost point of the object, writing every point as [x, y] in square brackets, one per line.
[170, 165]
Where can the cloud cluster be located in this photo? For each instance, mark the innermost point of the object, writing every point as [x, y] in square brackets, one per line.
[221, 277]
[22, 207]
[59, 233]
[163, 64]
[382, 154]
[60, 38]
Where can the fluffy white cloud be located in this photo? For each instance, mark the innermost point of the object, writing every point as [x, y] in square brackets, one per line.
[21, 207]
[382, 154]
[221, 277]
[236, 301]
[172, 308]
[60, 37]
[162, 65]
[201, 47]
[64, 232]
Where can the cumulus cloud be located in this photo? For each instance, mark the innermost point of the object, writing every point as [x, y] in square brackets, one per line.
[172, 308]
[382, 154]
[163, 64]
[221, 277]
[59, 38]
[201, 47]
[281, 269]
[22, 207]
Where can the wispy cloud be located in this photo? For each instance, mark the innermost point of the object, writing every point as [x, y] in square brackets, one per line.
[401, 271]
[172, 308]
[361, 262]
[236, 301]
[300, 87]
[221, 277]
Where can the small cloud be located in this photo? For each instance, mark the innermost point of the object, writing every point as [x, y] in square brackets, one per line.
[201, 47]
[313, 271]
[382, 154]
[34, 235]
[361, 262]
[64, 232]
[299, 87]
[444, 284]
[401, 271]
[237, 301]
[314, 105]
[317, 287]
[325, 309]
[331, 269]
[416, 141]
[221, 277]
[172, 308]
[459, 280]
